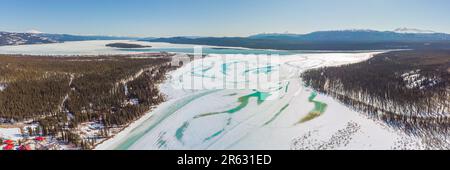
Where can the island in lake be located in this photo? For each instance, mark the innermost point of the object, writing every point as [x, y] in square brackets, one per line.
[127, 45]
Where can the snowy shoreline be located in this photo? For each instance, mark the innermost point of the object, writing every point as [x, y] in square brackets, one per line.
[98, 47]
[92, 47]
[171, 125]
[354, 123]
[114, 139]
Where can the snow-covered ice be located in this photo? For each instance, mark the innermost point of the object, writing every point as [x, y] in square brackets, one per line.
[10, 133]
[66, 48]
[94, 47]
[2, 87]
[240, 102]
[214, 105]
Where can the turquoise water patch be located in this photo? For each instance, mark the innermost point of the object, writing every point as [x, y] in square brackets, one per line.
[214, 135]
[319, 108]
[243, 102]
[276, 114]
[160, 141]
[180, 131]
[259, 70]
[287, 86]
[206, 50]
[202, 71]
[137, 133]
[225, 66]
[232, 94]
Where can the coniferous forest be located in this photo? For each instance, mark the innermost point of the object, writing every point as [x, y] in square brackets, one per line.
[409, 90]
[60, 93]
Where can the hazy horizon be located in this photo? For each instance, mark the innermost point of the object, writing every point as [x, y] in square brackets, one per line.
[220, 18]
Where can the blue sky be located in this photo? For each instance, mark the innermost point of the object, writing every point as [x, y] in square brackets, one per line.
[219, 17]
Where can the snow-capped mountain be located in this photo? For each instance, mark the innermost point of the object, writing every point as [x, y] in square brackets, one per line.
[37, 37]
[33, 31]
[9, 38]
[413, 31]
[355, 39]
[400, 34]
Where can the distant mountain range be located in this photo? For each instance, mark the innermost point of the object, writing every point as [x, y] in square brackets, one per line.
[12, 38]
[413, 31]
[7, 38]
[401, 38]
[398, 35]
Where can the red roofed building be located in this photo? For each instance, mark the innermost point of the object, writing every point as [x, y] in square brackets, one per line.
[8, 147]
[39, 138]
[8, 142]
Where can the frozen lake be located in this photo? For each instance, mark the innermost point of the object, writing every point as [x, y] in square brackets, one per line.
[216, 103]
[253, 100]
[99, 47]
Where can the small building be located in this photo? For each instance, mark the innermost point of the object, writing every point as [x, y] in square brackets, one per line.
[39, 138]
[8, 147]
[8, 142]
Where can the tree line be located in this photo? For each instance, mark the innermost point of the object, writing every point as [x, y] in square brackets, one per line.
[378, 88]
[61, 93]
